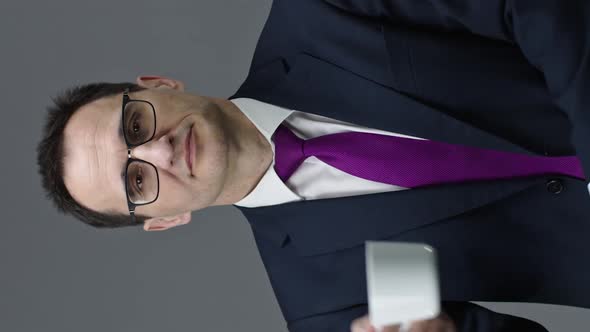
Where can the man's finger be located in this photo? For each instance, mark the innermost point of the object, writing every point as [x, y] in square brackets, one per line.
[419, 326]
[360, 324]
[363, 324]
[392, 328]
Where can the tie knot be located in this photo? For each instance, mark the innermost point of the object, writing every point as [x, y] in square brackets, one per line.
[288, 152]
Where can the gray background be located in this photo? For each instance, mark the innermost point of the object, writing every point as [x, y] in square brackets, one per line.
[60, 275]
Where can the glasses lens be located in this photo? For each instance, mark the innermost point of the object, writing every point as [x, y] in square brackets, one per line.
[142, 183]
[139, 122]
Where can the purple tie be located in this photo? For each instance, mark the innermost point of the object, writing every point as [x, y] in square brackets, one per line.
[412, 163]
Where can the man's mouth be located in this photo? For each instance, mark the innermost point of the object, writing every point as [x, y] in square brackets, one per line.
[188, 150]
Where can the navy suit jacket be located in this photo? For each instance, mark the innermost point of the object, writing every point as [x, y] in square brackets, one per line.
[497, 74]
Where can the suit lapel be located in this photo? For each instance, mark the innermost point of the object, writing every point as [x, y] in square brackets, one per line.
[312, 85]
[322, 226]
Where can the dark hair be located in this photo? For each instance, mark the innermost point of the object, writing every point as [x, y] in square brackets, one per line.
[50, 152]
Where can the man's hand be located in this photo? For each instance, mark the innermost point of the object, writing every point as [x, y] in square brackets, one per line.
[442, 323]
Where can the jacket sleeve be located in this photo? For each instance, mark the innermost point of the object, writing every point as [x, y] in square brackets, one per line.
[468, 317]
[553, 35]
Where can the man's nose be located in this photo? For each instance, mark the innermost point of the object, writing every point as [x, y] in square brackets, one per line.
[158, 152]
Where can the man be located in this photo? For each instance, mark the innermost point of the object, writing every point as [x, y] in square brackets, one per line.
[496, 75]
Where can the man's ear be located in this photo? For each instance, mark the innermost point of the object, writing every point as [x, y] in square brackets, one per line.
[164, 223]
[158, 82]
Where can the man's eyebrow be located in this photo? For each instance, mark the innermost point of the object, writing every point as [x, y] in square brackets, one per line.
[120, 131]
[122, 139]
[123, 178]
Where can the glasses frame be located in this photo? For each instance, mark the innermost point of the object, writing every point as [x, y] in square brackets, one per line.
[130, 205]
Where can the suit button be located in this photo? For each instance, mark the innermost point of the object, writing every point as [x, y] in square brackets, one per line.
[554, 186]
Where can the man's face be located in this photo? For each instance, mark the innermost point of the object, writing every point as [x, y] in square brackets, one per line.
[190, 179]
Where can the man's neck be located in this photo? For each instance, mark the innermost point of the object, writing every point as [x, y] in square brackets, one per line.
[249, 154]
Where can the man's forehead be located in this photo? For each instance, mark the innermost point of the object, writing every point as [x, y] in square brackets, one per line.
[111, 103]
[92, 167]
[104, 104]
[91, 120]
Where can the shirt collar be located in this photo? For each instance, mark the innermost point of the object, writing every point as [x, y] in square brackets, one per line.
[270, 190]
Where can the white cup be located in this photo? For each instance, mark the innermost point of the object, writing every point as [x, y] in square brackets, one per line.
[402, 283]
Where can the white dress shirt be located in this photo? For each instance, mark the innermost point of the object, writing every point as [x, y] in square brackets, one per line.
[313, 179]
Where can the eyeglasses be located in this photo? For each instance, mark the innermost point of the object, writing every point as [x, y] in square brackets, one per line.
[142, 183]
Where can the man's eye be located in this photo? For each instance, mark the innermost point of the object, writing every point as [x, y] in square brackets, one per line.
[139, 181]
[136, 127]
